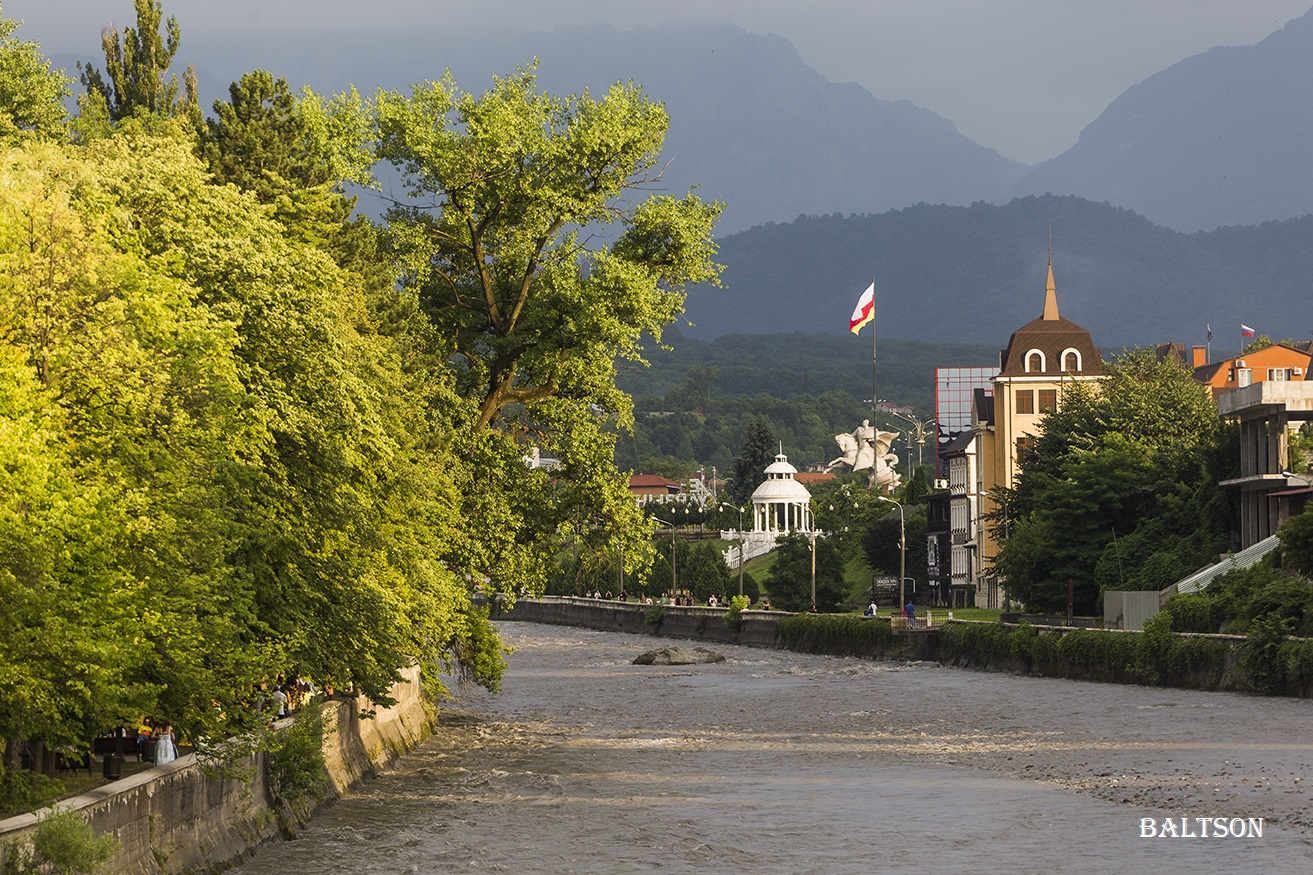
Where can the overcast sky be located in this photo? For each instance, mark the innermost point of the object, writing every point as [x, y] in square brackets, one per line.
[1021, 76]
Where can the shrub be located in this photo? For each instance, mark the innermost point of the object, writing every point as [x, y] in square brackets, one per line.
[295, 774]
[61, 843]
[834, 634]
[1193, 612]
[734, 615]
[1261, 658]
[1297, 660]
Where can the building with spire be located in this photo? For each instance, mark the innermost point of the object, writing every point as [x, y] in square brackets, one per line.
[1043, 358]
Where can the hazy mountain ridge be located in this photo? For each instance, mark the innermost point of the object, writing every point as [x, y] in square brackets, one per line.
[975, 274]
[751, 123]
[1220, 138]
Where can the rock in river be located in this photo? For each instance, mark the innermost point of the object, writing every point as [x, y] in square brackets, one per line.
[678, 656]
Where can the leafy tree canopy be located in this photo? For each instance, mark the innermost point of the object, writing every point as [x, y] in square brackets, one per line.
[790, 579]
[31, 93]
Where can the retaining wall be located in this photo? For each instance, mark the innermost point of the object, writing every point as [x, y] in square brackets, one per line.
[184, 817]
[692, 622]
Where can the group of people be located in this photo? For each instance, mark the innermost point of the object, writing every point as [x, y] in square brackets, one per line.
[909, 612]
[156, 742]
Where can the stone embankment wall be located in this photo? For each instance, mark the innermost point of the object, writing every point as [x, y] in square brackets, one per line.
[694, 623]
[190, 817]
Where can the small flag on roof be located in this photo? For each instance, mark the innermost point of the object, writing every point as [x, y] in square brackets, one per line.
[1245, 330]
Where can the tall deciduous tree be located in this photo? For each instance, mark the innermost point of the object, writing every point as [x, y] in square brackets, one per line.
[137, 62]
[509, 195]
[508, 191]
[791, 575]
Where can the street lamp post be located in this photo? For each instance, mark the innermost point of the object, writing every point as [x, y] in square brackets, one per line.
[920, 432]
[902, 550]
[673, 577]
[739, 530]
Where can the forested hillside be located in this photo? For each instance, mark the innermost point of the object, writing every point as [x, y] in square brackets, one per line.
[975, 274]
[695, 402]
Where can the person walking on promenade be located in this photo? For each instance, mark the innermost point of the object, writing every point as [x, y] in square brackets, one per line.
[166, 750]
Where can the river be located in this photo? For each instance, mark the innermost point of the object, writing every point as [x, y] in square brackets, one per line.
[776, 762]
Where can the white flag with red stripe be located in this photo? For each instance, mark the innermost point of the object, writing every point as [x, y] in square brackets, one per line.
[864, 312]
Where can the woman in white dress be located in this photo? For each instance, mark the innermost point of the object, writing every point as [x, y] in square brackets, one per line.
[165, 749]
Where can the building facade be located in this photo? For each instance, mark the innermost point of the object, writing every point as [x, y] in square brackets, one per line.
[1043, 358]
[1273, 485]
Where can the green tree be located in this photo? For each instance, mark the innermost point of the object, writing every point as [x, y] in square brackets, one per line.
[790, 578]
[1296, 536]
[520, 308]
[707, 573]
[880, 545]
[31, 93]
[749, 469]
[500, 268]
[137, 64]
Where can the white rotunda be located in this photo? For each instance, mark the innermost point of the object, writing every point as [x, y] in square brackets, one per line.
[781, 505]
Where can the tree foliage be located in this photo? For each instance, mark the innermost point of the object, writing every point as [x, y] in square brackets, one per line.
[137, 62]
[502, 187]
[790, 578]
[749, 468]
[243, 438]
[31, 93]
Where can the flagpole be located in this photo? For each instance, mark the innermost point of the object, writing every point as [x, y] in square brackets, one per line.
[874, 396]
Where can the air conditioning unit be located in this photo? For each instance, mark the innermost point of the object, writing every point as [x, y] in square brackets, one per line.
[1296, 370]
[941, 484]
[1239, 363]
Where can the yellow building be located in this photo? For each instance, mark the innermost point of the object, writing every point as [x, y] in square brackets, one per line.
[1041, 358]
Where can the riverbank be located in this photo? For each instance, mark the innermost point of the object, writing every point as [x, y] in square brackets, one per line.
[195, 816]
[1155, 657]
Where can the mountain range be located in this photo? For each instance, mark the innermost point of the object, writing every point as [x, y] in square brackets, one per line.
[1221, 138]
[826, 185]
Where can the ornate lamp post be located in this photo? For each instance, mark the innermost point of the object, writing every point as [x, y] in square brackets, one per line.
[902, 550]
[740, 541]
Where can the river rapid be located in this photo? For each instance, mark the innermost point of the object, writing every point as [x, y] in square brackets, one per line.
[776, 762]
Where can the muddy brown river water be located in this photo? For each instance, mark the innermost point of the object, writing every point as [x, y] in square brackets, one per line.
[775, 762]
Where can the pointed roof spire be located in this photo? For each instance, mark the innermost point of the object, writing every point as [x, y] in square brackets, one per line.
[1050, 290]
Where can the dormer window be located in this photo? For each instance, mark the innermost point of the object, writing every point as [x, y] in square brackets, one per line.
[1071, 362]
[1035, 362]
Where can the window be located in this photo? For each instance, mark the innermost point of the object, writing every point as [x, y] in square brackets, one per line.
[1244, 376]
[1025, 442]
[1035, 362]
[1071, 360]
[1278, 374]
[1025, 401]
[1048, 400]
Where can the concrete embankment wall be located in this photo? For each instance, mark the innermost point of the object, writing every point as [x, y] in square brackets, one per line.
[694, 623]
[187, 816]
